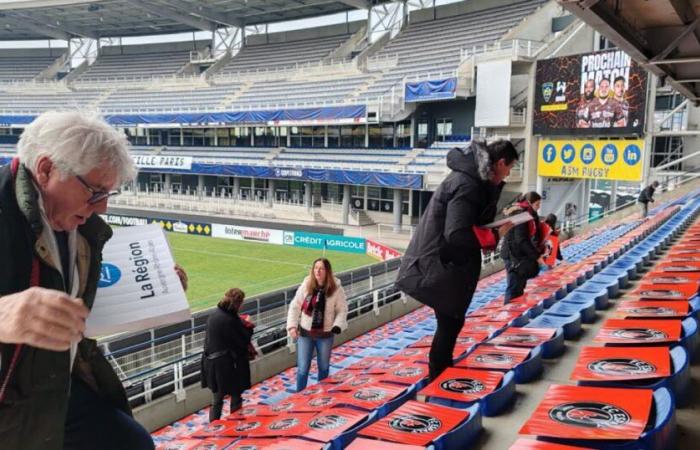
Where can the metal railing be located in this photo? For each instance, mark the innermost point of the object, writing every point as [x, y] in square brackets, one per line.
[272, 72]
[514, 48]
[173, 355]
[395, 230]
[440, 75]
[216, 201]
[670, 183]
[382, 62]
[130, 80]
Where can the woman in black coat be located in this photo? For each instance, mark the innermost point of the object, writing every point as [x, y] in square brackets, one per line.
[522, 247]
[225, 366]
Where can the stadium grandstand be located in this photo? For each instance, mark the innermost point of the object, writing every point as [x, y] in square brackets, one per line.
[268, 133]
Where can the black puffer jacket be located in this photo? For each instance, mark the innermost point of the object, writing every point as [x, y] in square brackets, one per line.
[443, 262]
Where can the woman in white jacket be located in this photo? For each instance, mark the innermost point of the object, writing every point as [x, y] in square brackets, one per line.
[317, 312]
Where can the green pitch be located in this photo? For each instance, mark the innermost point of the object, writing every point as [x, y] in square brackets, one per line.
[215, 265]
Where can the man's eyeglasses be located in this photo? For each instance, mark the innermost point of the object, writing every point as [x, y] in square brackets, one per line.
[96, 196]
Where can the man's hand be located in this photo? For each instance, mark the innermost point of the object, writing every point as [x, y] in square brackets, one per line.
[182, 275]
[42, 318]
[505, 228]
[293, 333]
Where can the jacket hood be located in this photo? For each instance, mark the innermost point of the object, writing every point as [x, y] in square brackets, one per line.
[472, 160]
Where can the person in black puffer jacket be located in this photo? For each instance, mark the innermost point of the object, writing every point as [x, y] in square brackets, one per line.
[442, 264]
[522, 247]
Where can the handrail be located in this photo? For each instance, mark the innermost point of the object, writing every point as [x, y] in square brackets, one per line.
[676, 161]
[583, 220]
[670, 114]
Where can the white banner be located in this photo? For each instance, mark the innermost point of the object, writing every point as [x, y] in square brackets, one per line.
[163, 162]
[247, 233]
[138, 287]
[493, 94]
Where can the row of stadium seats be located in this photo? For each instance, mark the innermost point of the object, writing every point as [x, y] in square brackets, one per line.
[23, 68]
[200, 98]
[365, 369]
[284, 54]
[137, 65]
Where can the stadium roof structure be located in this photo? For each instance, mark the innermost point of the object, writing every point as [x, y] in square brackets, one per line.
[65, 19]
[662, 35]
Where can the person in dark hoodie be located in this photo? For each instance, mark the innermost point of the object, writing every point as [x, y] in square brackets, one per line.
[647, 196]
[227, 351]
[442, 264]
[523, 247]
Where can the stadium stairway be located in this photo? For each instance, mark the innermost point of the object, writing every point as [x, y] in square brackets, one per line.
[503, 352]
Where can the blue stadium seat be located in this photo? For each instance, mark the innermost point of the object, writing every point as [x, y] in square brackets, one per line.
[531, 368]
[571, 325]
[492, 404]
[601, 299]
[569, 307]
[345, 438]
[465, 434]
[554, 347]
[689, 338]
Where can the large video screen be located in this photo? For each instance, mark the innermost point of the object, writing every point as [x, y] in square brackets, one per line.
[591, 94]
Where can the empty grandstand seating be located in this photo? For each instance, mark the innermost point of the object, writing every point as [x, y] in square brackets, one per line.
[23, 68]
[284, 54]
[332, 89]
[32, 102]
[139, 65]
[194, 98]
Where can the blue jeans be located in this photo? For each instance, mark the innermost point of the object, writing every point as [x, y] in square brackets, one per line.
[93, 422]
[305, 351]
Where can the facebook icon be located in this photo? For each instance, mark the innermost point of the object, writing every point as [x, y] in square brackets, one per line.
[549, 153]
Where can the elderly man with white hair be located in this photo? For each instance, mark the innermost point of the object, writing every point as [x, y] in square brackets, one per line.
[56, 388]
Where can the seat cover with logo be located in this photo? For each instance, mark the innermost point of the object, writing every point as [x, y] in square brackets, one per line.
[622, 363]
[416, 423]
[577, 412]
[463, 385]
[634, 331]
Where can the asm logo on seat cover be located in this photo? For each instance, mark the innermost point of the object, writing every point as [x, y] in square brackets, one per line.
[283, 424]
[415, 423]
[370, 394]
[494, 358]
[463, 385]
[329, 422]
[639, 333]
[590, 415]
[621, 366]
